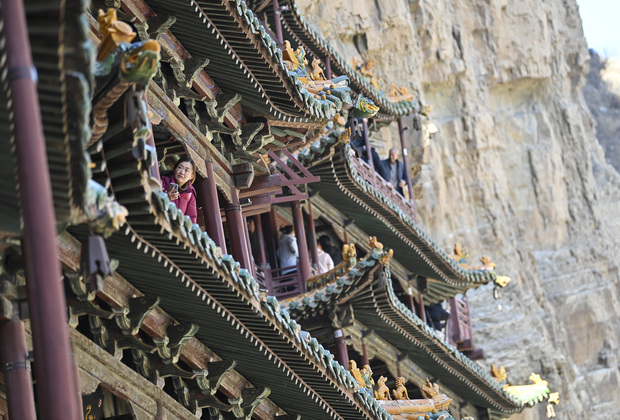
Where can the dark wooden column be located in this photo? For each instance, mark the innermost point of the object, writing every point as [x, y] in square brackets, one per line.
[236, 231]
[304, 259]
[270, 233]
[210, 204]
[278, 24]
[312, 234]
[16, 368]
[328, 69]
[260, 239]
[57, 388]
[421, 312]
[341, 348]
[248, 244]
[365, 360]
[367, 143]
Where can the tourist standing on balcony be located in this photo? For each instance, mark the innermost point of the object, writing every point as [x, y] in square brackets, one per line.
[178, 185]
[287, 249]
[393, 170]
[328, 246]
[325, 262]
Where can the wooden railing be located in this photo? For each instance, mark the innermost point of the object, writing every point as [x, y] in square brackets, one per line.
[321, 280]
[283, 285]
[460, 328]
[379, 183]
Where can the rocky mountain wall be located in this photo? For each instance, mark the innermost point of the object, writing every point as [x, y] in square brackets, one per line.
[515, 172]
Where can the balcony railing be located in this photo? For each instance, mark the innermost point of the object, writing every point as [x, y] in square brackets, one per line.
[379, 183]
[283, 285]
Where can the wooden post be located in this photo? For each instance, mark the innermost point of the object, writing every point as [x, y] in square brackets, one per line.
[421, 312]
[57, 388]
[262, 253]
[278, 24]
[312, 235]
[365, 360]
[341, 347]
[248, 245]
[210, 204]
[16, 369]
[271, 236]
[412, 306]
[236, 231]
[304, 259]
[328, 69]
[367, 143]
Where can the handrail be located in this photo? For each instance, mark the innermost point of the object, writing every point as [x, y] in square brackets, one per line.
[323, 279]
[284, 285]
[378, 182]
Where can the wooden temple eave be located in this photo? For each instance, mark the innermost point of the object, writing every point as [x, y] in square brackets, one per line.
[172, 48]
[395, 323]
[164, 255]
[371, 298]
[297, 28]
[354, 234]
[360, 338]
[177, 123]
[239, 59]
[345, 185]
[117, 292]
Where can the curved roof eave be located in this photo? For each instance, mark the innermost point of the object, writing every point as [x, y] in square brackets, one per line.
[297, 28]
[243, 57]
[376, 214]
[376, 306]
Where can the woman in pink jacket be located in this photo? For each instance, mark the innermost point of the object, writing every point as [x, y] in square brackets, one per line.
[178, 185]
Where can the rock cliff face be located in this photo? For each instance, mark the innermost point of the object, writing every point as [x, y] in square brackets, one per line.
[515, 172]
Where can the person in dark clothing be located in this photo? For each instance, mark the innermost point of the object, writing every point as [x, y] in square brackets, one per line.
[393, 170]
[435, 314]
[330, 249]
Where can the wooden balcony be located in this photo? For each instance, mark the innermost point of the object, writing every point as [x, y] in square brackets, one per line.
[379, 183]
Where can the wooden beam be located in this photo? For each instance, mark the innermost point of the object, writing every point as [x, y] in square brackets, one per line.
[260, 204]
[263, 185]
[117, 291]
[172, 47]
[262, 6]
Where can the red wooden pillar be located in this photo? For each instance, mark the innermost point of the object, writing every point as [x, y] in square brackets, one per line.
[236, 231]
[365, 360]
[248, 245]
[57, 388]
[367, 143]
[14, 359]
[278, 24]
[270, 233]
[210, 204]
[312, 235]
[341, 348]
[421, 312]
[304, 259]
[412, 306]
[328, 69]
[262, 253]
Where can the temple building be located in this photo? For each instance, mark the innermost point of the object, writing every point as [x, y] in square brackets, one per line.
[132, 290]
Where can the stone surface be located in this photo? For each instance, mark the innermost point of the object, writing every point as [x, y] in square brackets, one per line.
[515, 172]
[602, 93]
